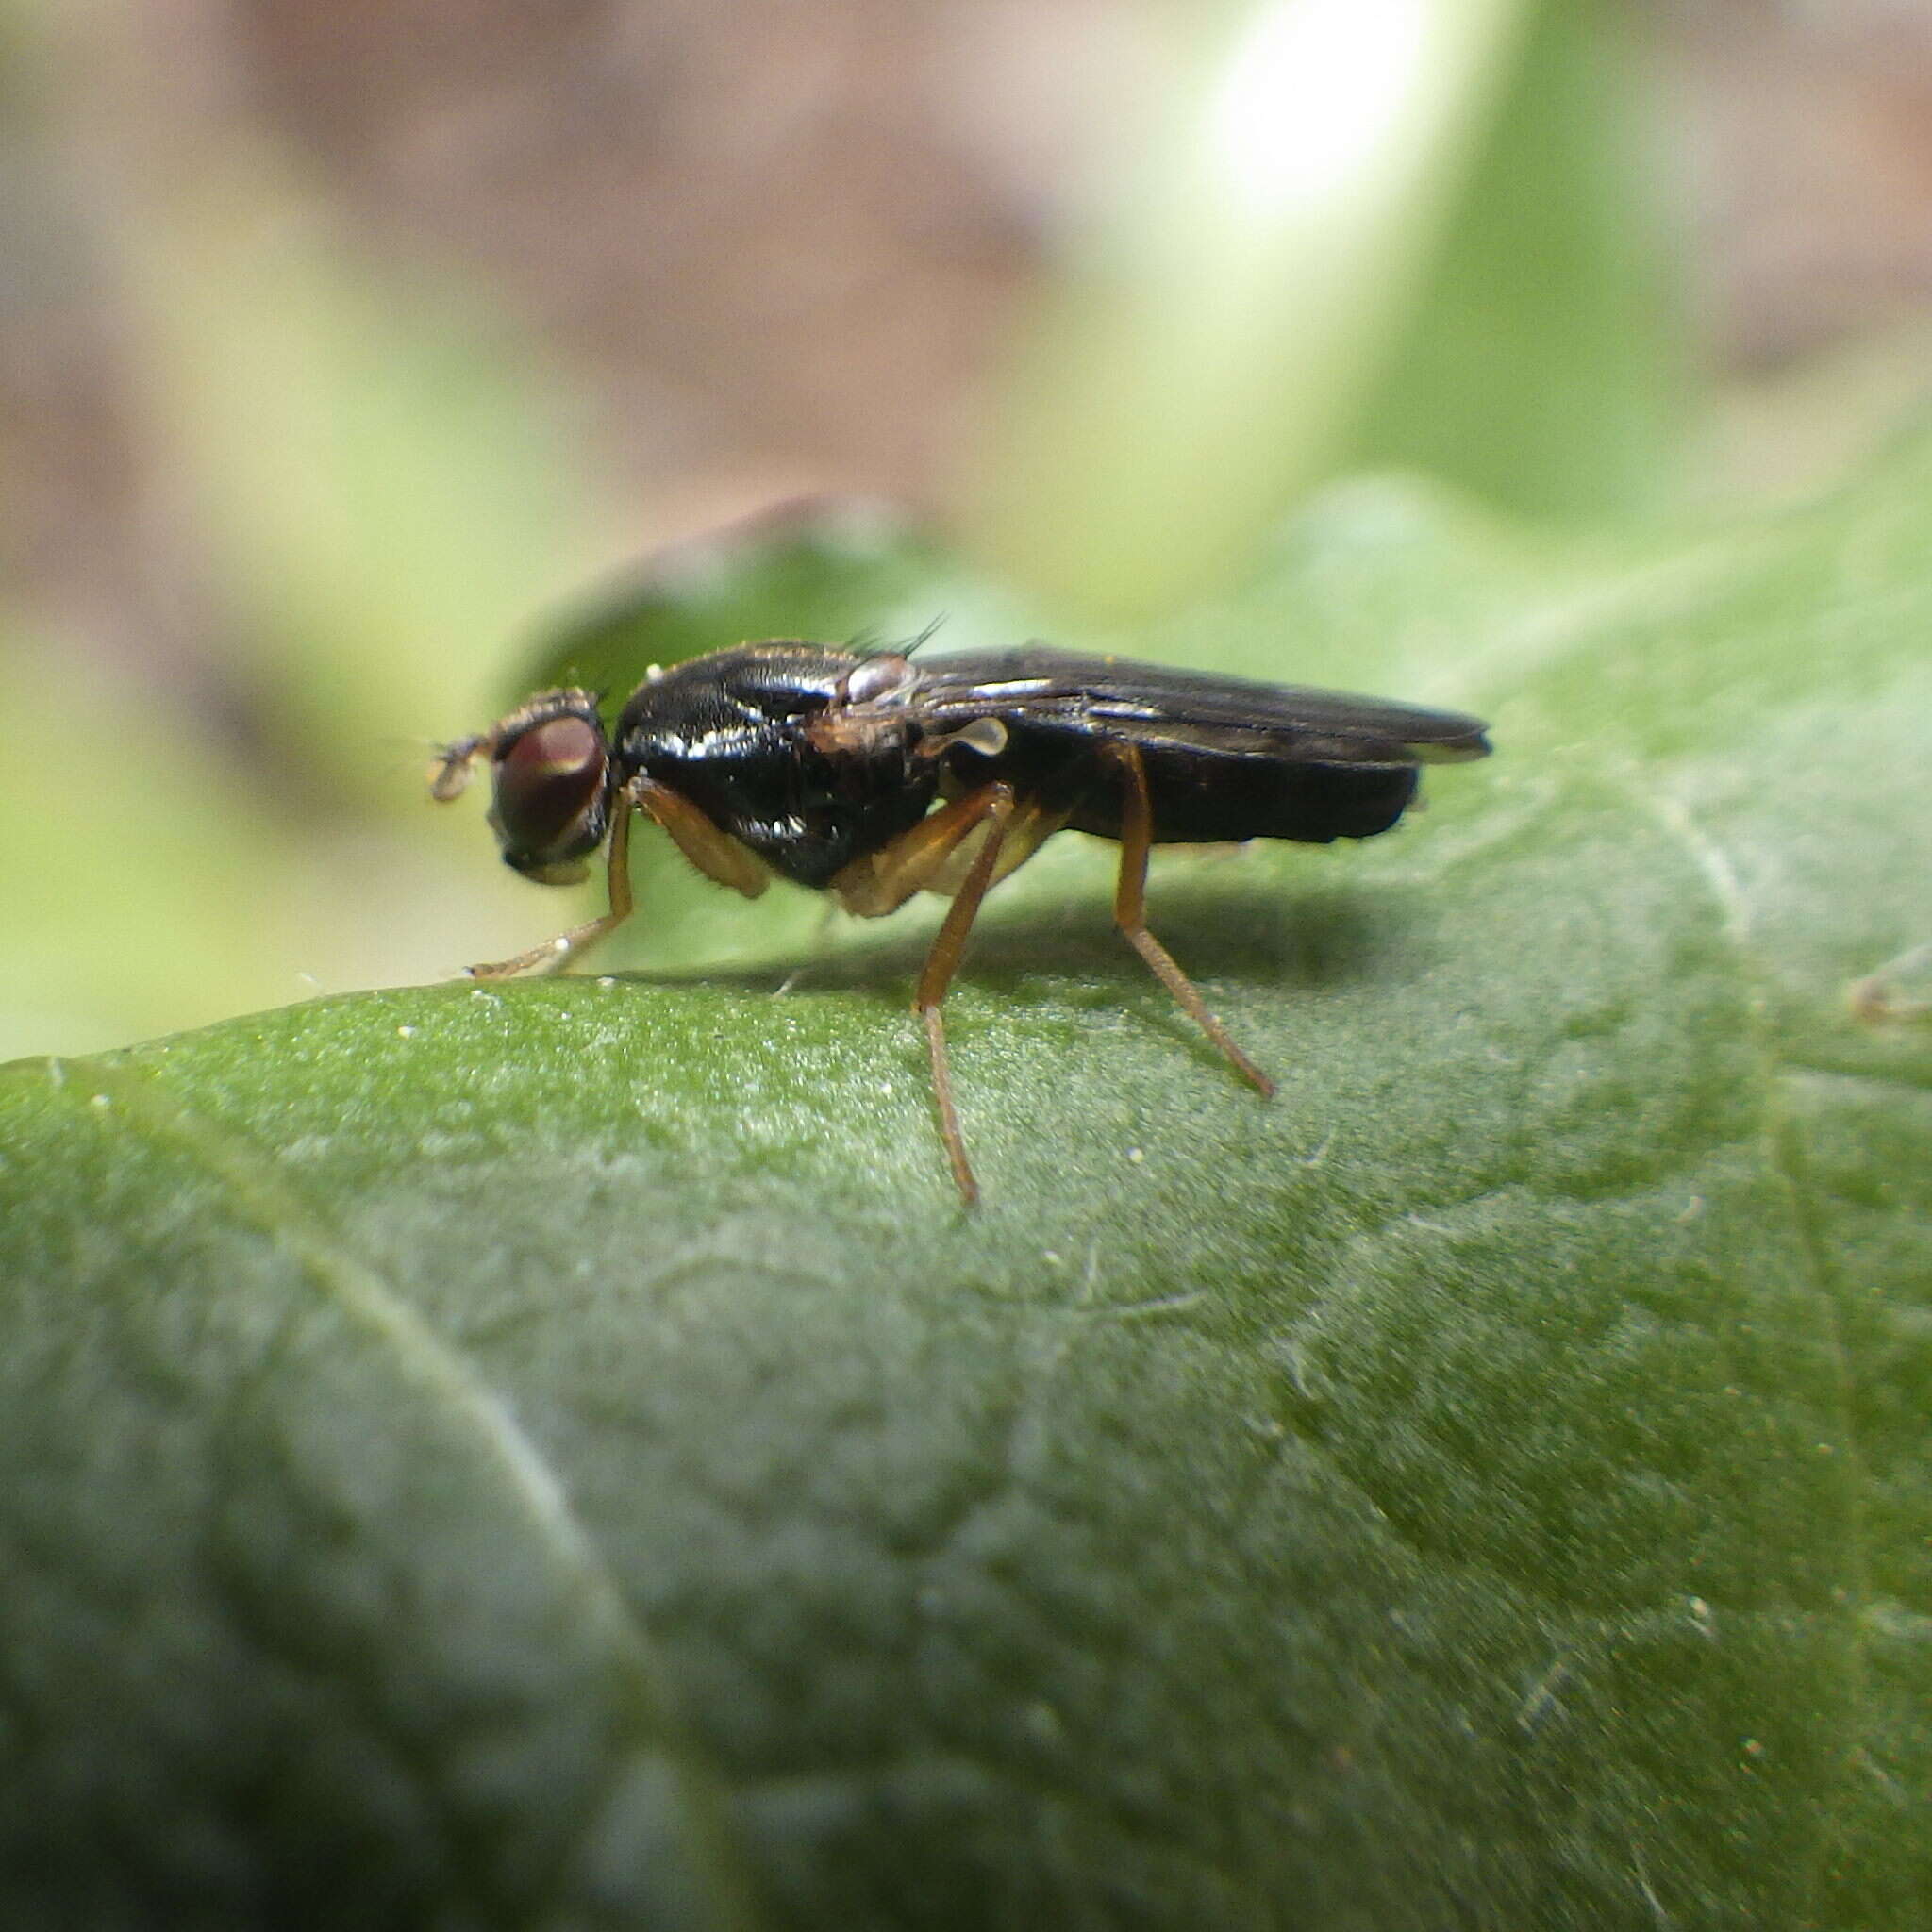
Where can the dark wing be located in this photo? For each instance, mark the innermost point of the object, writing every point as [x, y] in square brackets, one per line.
[1156, 706]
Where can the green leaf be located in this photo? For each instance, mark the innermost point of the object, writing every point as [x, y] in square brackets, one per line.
[557, 1454]
[1324, 255]
[1543, 362]
[184, 888]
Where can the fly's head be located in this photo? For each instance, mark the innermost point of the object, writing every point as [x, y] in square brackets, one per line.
[550, 777]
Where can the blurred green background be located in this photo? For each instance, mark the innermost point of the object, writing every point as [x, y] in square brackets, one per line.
[345, 351]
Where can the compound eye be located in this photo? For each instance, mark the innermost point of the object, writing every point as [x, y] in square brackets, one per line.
[549, 794]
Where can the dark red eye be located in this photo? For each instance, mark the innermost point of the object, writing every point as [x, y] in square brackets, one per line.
[549, 786]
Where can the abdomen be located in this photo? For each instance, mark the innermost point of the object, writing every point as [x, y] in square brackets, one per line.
[1209, 798]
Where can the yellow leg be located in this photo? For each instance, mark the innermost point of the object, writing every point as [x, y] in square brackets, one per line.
[721, 858]
[1130, 913]
[554, 955]
[991, 807]
[920, 857]
[931, 857]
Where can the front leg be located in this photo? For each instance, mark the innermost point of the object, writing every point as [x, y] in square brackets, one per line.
[715, 854]
[553, 955]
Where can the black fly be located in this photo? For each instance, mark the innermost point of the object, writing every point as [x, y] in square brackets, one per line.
[873, 779]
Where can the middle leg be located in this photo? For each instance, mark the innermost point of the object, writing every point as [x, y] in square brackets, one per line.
[988, 832]
[994, 808]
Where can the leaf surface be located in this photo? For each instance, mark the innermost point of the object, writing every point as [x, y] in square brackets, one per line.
[556, 1454]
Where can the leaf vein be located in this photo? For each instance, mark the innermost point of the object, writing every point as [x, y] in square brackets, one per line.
[1783, 1153]
[265, 1198]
